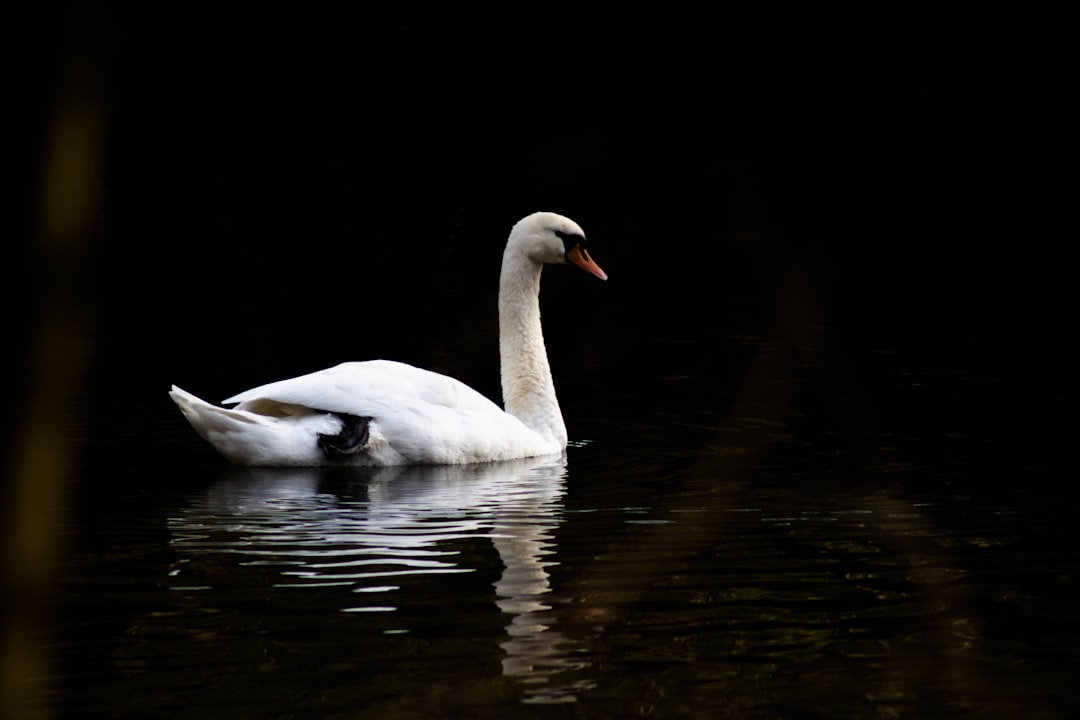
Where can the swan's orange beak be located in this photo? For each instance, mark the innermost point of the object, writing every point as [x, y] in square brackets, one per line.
[579, 257]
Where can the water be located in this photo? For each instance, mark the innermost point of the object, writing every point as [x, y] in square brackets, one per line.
[638, 575]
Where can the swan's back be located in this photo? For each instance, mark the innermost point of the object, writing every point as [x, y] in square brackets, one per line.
[356, 387]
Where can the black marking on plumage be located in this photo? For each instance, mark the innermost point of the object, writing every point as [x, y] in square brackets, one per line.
[352, 438]
[570, 240]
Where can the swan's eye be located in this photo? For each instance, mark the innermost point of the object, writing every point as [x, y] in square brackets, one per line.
[570, 239]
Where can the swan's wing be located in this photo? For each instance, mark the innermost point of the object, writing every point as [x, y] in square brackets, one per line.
[423, 416]
[371, 389]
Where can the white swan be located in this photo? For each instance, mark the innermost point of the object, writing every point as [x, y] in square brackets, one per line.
[388, 413]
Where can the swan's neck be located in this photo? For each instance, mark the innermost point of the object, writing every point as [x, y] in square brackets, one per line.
[528, 390]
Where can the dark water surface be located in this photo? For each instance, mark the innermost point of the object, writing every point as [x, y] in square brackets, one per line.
[703, 562]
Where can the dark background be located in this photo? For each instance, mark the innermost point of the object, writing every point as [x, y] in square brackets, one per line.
[276, 188]
[827, 236]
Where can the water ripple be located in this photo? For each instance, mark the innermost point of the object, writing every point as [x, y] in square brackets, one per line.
[353, 531]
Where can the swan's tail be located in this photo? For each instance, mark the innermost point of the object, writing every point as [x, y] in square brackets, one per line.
[221, 427]
[205, 417]
[248, 438]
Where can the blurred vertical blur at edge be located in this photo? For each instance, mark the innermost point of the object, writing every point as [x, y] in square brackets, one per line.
[62, 144]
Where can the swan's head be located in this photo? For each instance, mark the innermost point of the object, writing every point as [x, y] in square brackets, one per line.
[549, 238]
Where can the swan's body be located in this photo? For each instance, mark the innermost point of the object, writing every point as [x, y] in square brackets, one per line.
[388, 413]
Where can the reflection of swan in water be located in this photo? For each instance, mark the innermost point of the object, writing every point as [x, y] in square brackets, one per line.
[372, 529]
